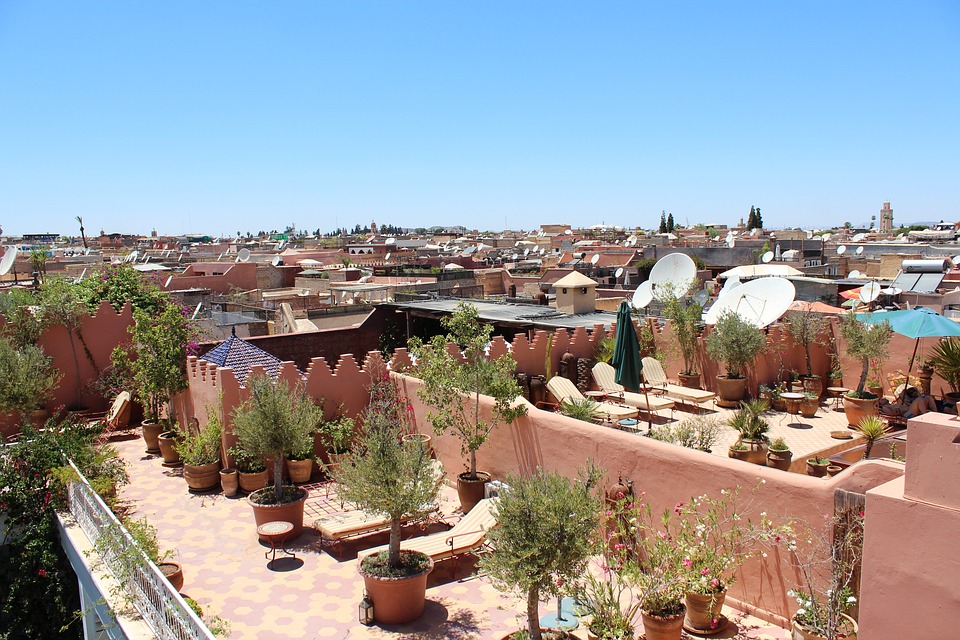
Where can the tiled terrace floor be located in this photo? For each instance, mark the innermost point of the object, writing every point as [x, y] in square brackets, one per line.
[316, 595]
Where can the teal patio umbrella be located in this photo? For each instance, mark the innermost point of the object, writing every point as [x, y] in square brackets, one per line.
[626, 355]
[916, 324]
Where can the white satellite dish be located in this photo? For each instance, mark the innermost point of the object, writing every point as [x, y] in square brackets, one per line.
[132, 256]
[891, 291]
[869, 292]
[515, 256]
[219, 257]
[701, 297]
[526, 251]
[386, 257]
[83, 274]
[390, 241]
[859, 237]
[643, 296]
[675, 269]
[568, 232]
[729, 285]
[759, 302]
[196, 311]
[731, 242]
[826, 237]
[618, 273]
[6, 263]
[766, 257]
[244, 255]
[955, 260]
[277, 261]
[841, 249]
[753, 232]
[595, 258]
[853, 275]
[859, 251]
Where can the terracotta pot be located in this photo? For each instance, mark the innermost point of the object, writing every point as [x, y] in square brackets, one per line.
[151, 435]
[809, 406]
[300, 470]
[925, 376]
[291, 512]
[816, 470]
[835, 381]
[756, 452]
[813, 384]
[470, 491]
[952, 397]
[792, 406]
[250, 482]
[202, 477]
[779, 405]
[799, 633]
[738, 454]
[421, 437]
[779, 459]
[229, 482]
[173, 572]
[876, 390]
[703, 612]
[857, 409]
[691, 381]
[166, 441]
[397, 600]
[731, 391]
[834, 469]
[656, 628]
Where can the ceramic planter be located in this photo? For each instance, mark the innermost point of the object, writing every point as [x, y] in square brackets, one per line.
[809, 406]
[703, 614]
[300, 470]
[779, 459]
[857, 409]
[813, 384]
[834, 469]
[423, 438]
[291, 512]
[800, 633]
[229, 482]
[738, 454]
[202, 477]
[173, 572]
[397, 600]
[657, 628]
[151, 435]
[250, 482]
[166, 442]
[470, 491]
[731, 391]
[691, 381]
[816, 470]
[756, 452]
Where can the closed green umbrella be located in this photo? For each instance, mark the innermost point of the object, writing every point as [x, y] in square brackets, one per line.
[626, 354]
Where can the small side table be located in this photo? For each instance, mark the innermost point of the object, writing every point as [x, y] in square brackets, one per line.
[793, 401]
[837, 393]
[596, 396]
[276, 533]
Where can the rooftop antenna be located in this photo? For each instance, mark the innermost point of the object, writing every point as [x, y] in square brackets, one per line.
[643, 296]
[766, 257]
[277, 260]
[841, 249]
[244, 255]
[6, 263]
[760, 302]
[196, 311]
[859, 251]
[617, 275]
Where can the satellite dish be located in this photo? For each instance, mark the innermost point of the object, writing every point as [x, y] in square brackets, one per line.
[869, 292]
[83, 274]
[841, 249]
[390, 241]
[955, 260]
[701, 297]
[6, 263]
[826, 237]
[526, 252]
[759, 302]
[643, 296]
[219, 257]
[595, 258]
[853, 275]
[675, 269]
[132, 256]
[859, 251]
[753, 232]
[515, 256]
[196, 311]
[731, 242]
[277, 261]
[891, 291]
[244, 255]
[731, 283]
[766, 257]
[618, 273]
[386, 257]
[568, 232]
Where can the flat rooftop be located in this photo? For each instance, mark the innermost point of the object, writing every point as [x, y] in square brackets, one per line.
[520, 315]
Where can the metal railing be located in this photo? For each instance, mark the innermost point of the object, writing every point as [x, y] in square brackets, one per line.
[162, 608]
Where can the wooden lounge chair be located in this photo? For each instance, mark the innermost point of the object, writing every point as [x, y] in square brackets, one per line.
[467, 536]
[565, 391]
[606, 378]
[654, 375]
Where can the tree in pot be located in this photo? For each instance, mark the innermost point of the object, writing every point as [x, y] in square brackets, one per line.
[395, 477]
[546, 535]
[806, 328]
[336, 436]
[864, 342]
[737, 343]
[271, 423]
[452, 388]
[685, 316]
[27, 375]
[199, 450]
[749, 422]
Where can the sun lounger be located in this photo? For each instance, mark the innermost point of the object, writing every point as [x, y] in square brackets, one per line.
[467, 536]
[654, 375]
[565, 391]
[605, 377]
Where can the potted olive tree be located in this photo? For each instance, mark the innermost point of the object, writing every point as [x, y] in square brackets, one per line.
[27, 375]
[685, 315]
[452, 387]
[806, 328]
[538, 556]
[397, 478]
[271, 423]
[864, 342]
[737, 343]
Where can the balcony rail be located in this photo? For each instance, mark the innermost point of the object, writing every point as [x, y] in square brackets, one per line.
[162, 608]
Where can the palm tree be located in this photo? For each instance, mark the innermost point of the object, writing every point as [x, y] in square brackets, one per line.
[83, 235]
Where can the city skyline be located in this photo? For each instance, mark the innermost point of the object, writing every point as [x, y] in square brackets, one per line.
[221, 117]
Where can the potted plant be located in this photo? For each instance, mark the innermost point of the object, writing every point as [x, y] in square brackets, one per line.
[387, 475]
[864, 343]
[452, 388]
[748, 421]
[230, 481]
[538, 556]
[828, 565]
[273, 421]
[779, 455]
[300, 461]
[809, 404]
[685, 316]
[806, 328]
[872, 429]
[945, 360]
[601, 595]
[127, 546]
[817, 466]
[251, 471]
[335, 436]
[27, 375]
[836, 370]
[200, 451]
[737, 343]
[167, 442]
[586, 410]
[739, 451]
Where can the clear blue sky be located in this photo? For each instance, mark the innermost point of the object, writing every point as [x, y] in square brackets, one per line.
[218, 116]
